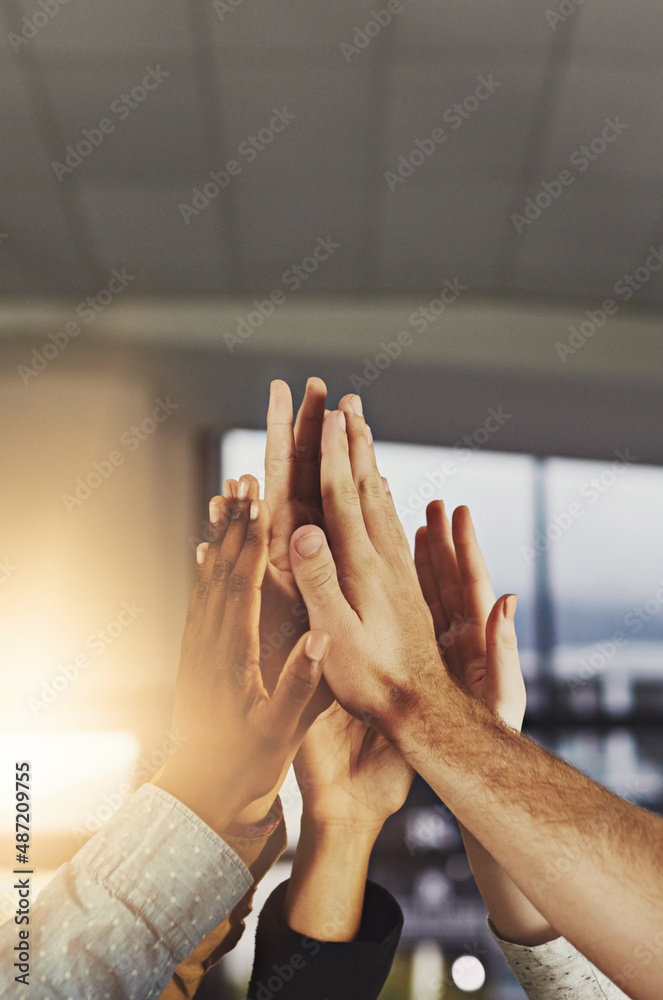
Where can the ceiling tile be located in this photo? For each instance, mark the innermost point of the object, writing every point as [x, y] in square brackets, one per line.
[291, 24]
[21, 150]
[632, 31]
[593, 96]
[155, 133]
[487, 130]
[586, 240]
[280, 225]
[327, 137]
[429, 233]
[473, 24]
[96, 27]
[140, 226]
[39, 229]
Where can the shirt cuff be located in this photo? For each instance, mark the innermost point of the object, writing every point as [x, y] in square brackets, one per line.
[167, 866]
[329, 969]
[544, 970]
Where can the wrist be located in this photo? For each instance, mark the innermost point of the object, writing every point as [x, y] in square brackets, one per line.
[347, 840]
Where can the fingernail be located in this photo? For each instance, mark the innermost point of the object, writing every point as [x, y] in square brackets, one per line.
[316, 646]
[200, 553]
[341, 419]
[227, 490]
[386, 485]
[509, 606]
[214, 512]
[243, 489]
[308, 545]
[369, 434]
[355, 403]
[254, 510]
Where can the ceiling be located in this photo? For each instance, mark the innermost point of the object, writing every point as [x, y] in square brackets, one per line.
[230, 64]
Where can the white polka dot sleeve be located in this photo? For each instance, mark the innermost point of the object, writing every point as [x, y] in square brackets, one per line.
[556, 971]
[133, 902]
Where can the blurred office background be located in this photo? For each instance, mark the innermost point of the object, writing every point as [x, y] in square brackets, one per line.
[143, 314]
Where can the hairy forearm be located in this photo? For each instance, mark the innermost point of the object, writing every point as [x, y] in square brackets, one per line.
[515, 919]
[591, 863]
[325, 896]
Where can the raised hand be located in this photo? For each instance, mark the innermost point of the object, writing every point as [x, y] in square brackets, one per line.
[469, 623]
[240, 737]
[385, 655]
[348, 773]
[292, 490]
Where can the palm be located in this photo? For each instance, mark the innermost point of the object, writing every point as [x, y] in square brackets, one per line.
[349, 772]
[460, 597]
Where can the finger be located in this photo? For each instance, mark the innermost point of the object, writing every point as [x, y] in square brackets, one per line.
[428, 581]
[280, 455]
[503, 662]
[308, 434]
[340, 500]
[201, 586]
[443, 561]
[477, 589]
[246, 488]
[367, 479]
[297, 684]
[315, 575]
[240, 633]
[222, 554]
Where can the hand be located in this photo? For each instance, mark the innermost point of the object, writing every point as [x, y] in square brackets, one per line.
[292, 490]
[384, 658]
[476, 634]
[238, 736]
[351, 779]
[349, 775]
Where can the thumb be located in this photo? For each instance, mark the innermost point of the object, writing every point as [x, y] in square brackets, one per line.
[503, 662]
[297, 684]
[314, 570]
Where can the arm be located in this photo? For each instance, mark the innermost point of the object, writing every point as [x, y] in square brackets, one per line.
[571, 846]
[351, 780]
[130, 905]
[478, 637]
[292, 489]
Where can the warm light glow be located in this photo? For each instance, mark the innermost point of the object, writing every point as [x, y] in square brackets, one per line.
[74, 773]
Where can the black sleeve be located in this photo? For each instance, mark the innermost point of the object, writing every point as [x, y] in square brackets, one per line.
[292, 967]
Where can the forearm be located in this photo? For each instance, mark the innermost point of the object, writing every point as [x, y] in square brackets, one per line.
[591, 863]
[514, 917]
[325, 896]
